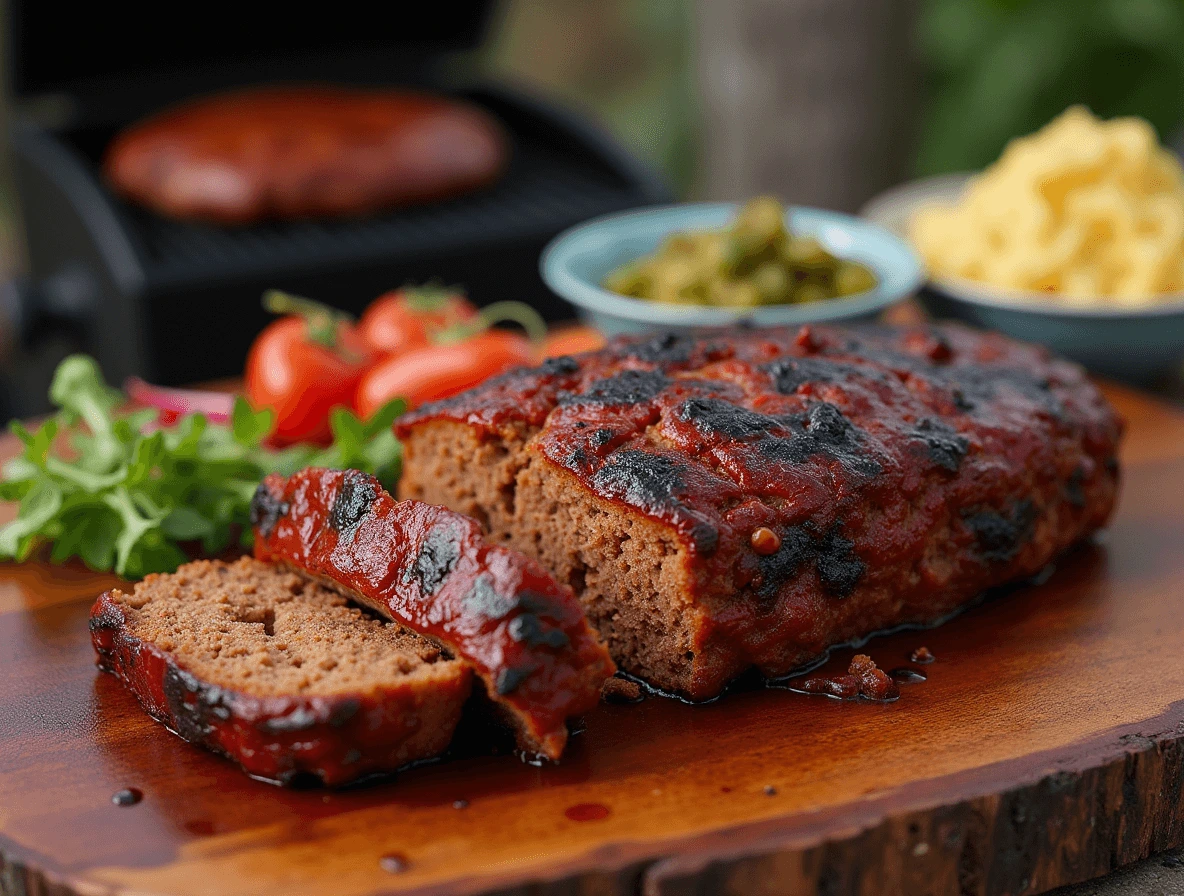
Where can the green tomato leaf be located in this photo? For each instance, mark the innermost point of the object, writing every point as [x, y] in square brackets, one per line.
[348, 433]
[384, 417]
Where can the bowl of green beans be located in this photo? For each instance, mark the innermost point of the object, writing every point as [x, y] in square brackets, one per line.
[717, 264]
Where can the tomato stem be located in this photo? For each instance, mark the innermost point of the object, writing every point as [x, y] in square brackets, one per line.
[430, 297]
[499, 312]
[321, 321]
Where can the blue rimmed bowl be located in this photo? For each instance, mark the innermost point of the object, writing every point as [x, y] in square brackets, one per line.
[1135, 344]
[577, 261]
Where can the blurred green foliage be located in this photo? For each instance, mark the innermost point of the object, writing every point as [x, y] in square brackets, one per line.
[1000, 68]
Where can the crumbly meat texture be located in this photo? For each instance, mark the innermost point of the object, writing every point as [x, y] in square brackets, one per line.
[432, 570]
[279, 674]
[901, 471]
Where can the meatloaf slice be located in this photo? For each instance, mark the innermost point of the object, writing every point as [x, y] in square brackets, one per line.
[752, 497]
[432, 570]
[277, 673]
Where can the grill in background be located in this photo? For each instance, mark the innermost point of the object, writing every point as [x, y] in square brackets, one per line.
[178, 302]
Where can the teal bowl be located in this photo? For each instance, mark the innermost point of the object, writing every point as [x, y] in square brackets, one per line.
[577, 261]
[1136, 345]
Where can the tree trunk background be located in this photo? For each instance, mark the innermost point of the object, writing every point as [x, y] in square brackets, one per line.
[814, 101]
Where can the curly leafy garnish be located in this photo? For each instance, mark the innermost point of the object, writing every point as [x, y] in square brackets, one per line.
[109, 486]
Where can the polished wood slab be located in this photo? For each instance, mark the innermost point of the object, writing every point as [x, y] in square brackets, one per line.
[1046, 746]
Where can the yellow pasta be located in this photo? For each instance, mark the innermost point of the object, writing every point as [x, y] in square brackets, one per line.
[1081, 210]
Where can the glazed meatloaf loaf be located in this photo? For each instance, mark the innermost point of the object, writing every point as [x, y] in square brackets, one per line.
[432, 570]
[752, 497]
[300, 152]
[277, 673]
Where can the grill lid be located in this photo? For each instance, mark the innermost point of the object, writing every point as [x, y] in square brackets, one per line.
[94, 64]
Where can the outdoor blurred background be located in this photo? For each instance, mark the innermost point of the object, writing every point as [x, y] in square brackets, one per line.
[827, 102]
[820, 102]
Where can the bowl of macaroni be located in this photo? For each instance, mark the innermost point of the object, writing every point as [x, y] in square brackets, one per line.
[1074, 238]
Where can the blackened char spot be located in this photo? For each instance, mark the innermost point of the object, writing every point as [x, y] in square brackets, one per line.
[670, 348]
[651, 482]
[358, 492]
[946, 446]
[790, 373]
[484, 600]
[797, 547]
[839, 568]
[437, 556]
[266, 509]
[564, 365]
[601, 437]
[194, 706]
[627, 387]
[510, 679]
[999, 536]
[823, 430]
[641, 478]
[529, 629]
[714, 415]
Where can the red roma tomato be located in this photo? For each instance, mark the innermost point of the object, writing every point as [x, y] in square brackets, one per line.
[432, 372]
[571, 340]
[406, 318]
[302, 374]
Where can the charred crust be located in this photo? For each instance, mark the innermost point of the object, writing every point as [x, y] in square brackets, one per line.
[716, 416]
[601, 437]
[267, 508]
[626, 388]
[789, 374]
[839, 569]
[564, 365]
[195, 707]
[821, 431]
[999, 536]
[666, 348]
[436, 558]
[652, 482]
[484, 600]
[641, 478]
[797, 547]
[946, 446]
[354, 500]
[528, 629]
[108, 618]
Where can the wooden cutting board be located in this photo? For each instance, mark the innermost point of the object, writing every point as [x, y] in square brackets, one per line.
[1046, 747]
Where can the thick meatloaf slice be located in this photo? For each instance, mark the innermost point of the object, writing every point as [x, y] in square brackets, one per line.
[751, 497]
[277, 673]
[432, 570]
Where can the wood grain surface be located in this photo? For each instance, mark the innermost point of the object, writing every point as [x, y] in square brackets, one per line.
[1046, 747]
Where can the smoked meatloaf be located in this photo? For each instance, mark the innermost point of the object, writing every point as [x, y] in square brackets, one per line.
[751, 497]
[497, 611]
[277, 673]
[304, 151]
